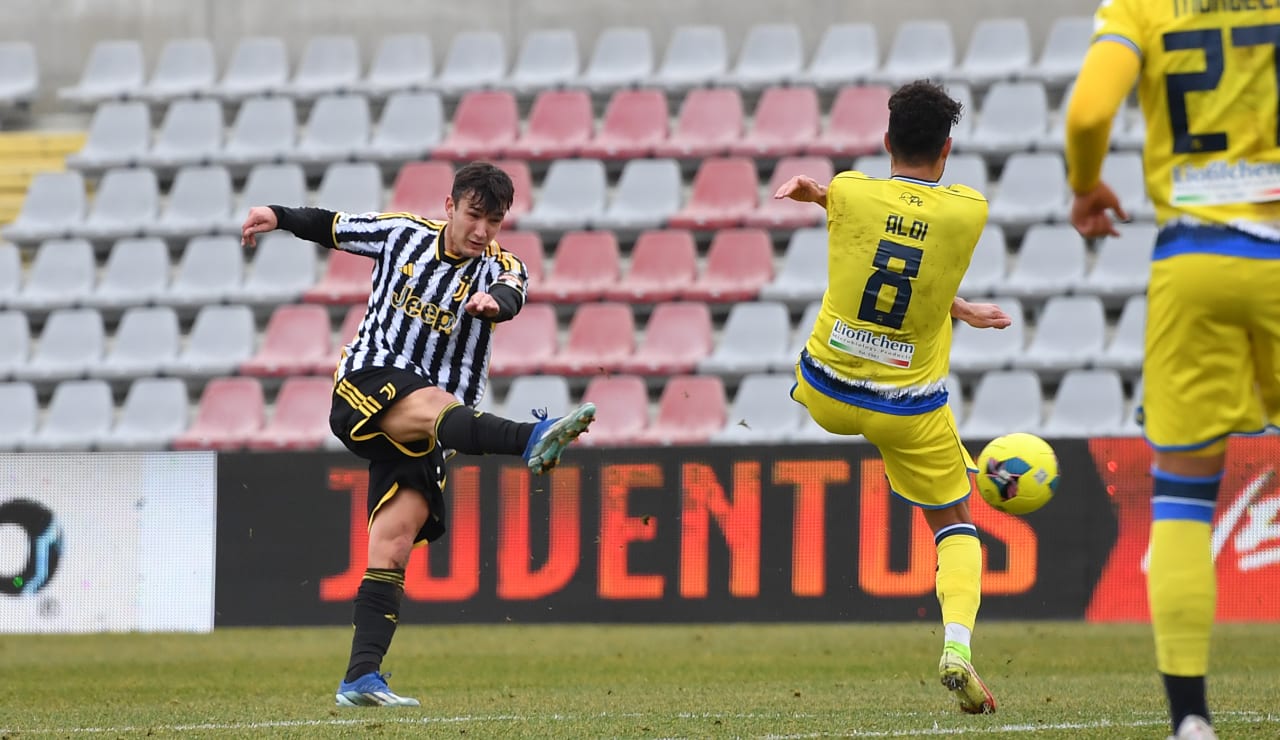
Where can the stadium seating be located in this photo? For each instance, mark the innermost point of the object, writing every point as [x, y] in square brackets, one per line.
[19, 74]
[601, 337]
[230, 411]
[299, 419]
[559, 124]
[523, 345]
[772, 53]
[548, 58]
[22, 413]
[847, 53]
[856, 126]
[739, 264]
[295, 342]
[1004, 401]
[259, 65]
[634, 124]
[622, 410]
[613, 204]
[725, 191]
[622, 57]
[676, 337]
[475, 60]
[663, 266]
[695, 56]
[199, 203]
[403, 62]
[186, 68]
[154, 413]
[786, 119]
[329, 65]
[80, 413]
[691, 409]
[536, 392]
[586, 263]
[136, 274]
[119, 136]
[113, 71]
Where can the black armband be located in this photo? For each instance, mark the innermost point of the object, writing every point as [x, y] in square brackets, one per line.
[509, 301]
[312, 224]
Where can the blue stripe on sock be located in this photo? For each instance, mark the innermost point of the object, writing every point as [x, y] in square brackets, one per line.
[951, 529]
[1166, 509]
[1159, 474]
[1169, 485]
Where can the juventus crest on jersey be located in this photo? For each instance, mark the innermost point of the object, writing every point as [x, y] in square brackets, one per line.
[416, 319]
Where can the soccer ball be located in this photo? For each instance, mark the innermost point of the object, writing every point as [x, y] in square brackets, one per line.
[1017, 473]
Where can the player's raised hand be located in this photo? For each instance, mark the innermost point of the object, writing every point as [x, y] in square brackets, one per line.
[260, 219]
[804, 189]
[482, 304]
[1089, 212]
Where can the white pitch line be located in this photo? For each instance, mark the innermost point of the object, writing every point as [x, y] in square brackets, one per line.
[382, 718]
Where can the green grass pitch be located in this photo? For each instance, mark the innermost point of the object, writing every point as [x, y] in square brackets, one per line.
[1052, 680]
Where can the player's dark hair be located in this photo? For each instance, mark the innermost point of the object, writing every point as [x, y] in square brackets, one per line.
[486, 185]
[921, 115]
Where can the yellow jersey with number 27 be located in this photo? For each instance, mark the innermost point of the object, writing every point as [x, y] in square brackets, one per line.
[897, 251]
[1208, 89]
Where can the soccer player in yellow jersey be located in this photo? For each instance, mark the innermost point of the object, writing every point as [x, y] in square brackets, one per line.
[1207, 73]
[877, 361]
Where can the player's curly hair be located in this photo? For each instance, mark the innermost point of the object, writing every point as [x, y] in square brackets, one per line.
[486, 185]
[921, 115]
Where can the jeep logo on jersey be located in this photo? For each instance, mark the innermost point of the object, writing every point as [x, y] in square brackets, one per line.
[44, 545]
[430, 314]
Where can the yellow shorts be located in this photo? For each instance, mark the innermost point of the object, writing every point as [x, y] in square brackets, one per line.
[923, 458]
[1212, 359]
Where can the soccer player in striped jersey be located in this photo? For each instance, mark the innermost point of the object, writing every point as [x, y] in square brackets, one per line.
[1207, 75]
[407, 383]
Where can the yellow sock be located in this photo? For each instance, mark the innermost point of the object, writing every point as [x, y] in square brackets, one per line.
[1182, 589]
[959, 577]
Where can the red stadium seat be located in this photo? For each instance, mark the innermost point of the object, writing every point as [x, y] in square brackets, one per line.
[301, 418]
[485, 124]
[347, 279]
[297, 339]
[663, 264]
[522, 345]
[786, 213]
[676, 338]
[634, 124]
[622, 410]
[786, 119]
[231, 410]
[526, 245]
[522, 180]
[560, 122]
[691, 409]
[710, 120]
[725, 191]
[421, 188]
[586, 263]
[739, 264]
[601, 337]
[350, 326]
[856, 126]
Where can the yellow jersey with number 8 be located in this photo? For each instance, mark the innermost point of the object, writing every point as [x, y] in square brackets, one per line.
[1208, 89]
[897, 250]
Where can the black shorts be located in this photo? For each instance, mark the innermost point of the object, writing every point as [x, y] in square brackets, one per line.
[359, 399]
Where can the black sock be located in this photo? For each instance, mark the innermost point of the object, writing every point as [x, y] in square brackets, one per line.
[377, 609]
[472, 432]
[1186, 697]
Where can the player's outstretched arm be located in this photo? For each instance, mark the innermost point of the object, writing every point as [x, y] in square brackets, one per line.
[1109, 71]
[313, 224]
[804, 189]
[980, 315]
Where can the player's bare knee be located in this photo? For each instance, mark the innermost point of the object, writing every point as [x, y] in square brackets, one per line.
[390, 551]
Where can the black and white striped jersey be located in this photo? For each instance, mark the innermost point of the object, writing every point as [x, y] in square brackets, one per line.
[415, 319]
